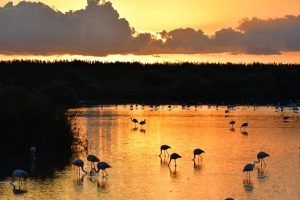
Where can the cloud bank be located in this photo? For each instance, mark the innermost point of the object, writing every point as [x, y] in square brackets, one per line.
[35, 28]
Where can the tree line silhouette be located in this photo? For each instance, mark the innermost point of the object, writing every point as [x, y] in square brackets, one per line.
[71, 83]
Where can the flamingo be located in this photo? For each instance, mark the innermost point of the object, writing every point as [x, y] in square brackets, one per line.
[232, 123]
[135, 121]
[261, 156]
[249, 168]
[142, 123]
[165, 149]
[103, 166]
[229, 198]
[174, 156]
[286, 118]
[244, 125]
[20, 175]
[93, 159]
[198, 152]
[79, 164]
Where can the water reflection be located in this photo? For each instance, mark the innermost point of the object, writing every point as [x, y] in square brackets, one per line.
[138, 174]
[248, 185]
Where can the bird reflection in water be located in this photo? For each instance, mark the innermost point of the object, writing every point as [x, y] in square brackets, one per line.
[173, 172]
[248, 185]
[164, 161]
[80, 179]
[197, 165]
[245, 133]
[261, 175]
[102, 183]
[134, 129]
[142, 130]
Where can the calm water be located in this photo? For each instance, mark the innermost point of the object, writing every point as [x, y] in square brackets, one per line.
[137, 171]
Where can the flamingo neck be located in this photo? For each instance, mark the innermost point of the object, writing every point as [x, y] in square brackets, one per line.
[83, 170]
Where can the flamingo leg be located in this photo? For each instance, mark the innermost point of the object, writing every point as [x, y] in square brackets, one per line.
[105, 173]
[160, 153]
[264, 162]
[169, 162]
[175, 163]
[194, 157]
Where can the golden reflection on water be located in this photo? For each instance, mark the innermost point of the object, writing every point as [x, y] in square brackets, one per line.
[138, 173]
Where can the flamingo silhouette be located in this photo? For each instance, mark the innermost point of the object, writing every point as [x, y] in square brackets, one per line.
[142, 123]
[20, 175]
[174, 156]
[285, 118]
[198, 152]
[102, 166]
[165, 149]
[79, 165]
[244, 126]
[232, 123]
[261, 156]
[135, 121]
[93, 159]
[249, 168]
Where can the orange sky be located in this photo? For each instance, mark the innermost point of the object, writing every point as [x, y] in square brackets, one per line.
[209, 15]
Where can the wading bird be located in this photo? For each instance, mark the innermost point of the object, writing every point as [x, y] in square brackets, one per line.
[93, 159]
[135, 121]
[232, 123]
[249, 168]
[165, 149]
[261, 156]
[244, 126]
[79, 165]
[286, 118]
[19, 175]
[198, 152]
[103, 166]
[142, 123]
[174, 156]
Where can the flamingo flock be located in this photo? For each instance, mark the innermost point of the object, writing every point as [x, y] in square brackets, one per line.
[97, 166]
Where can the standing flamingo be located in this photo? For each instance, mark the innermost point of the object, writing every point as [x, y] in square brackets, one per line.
[174, 156]
[261, 156]
[20, 175]
[232, 123]
[198, 152]
[165, 149]
[135, 121]
[244, 126]
[79, 164]
[249, 168]
[93, 159]
[103, 166]
[142, 123]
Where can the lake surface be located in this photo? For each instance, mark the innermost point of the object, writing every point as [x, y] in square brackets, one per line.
[138, 173]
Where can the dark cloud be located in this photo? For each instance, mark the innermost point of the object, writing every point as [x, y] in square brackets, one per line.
[34, 28]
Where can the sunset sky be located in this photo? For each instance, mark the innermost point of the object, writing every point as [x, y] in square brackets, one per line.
[208, 15]
[140, 27]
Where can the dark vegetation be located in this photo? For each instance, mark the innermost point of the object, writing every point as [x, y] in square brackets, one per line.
[68, 83]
